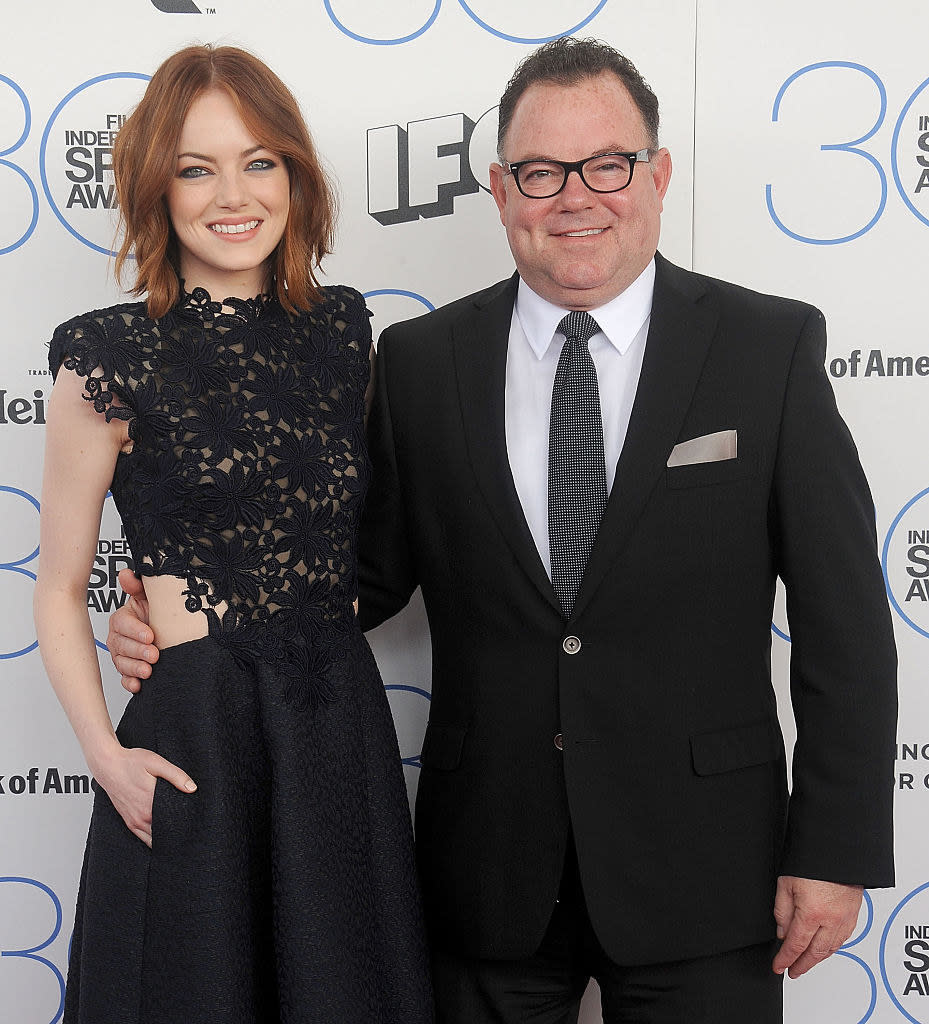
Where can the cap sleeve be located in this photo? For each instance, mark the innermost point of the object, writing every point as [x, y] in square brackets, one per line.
[351, 310]
[96, 346]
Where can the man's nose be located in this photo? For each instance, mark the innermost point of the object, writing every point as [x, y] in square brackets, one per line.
[575, 192]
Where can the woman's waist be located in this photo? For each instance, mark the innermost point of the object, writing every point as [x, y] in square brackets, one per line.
[181, 610]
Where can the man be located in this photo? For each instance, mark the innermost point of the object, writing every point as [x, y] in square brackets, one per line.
[603, 785]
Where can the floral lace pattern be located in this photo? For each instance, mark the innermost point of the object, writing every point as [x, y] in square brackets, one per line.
[248, 467]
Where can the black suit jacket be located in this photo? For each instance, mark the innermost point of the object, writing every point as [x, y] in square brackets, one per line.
[672, 772]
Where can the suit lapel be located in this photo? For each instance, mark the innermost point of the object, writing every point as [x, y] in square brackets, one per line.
[479, 343]
[683, 322]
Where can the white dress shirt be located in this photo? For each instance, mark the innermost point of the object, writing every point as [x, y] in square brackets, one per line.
[532, 357]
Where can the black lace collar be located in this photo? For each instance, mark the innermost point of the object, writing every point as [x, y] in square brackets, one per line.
[200, 301]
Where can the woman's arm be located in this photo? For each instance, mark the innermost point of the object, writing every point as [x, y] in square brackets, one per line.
[80, 454]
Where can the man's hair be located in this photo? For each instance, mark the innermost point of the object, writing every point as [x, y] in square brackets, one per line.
[144, 162]
[567, 61]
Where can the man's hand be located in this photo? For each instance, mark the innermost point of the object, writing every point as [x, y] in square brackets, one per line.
[814, 919]
[130, 638]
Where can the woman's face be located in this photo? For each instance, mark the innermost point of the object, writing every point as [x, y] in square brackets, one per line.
[228, 201]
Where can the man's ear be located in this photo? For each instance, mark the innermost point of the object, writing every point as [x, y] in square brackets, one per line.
[498, 188]
[660, 165]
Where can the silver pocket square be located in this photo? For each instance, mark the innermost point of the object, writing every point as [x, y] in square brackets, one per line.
[710, 448]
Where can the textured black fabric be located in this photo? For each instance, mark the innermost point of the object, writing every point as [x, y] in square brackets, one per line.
[576, 463]
[284, 889]
[249, 464]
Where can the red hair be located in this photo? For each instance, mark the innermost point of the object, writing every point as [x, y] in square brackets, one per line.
[144, 156]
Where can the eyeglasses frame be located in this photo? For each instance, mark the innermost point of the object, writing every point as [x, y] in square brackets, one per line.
[642, 156]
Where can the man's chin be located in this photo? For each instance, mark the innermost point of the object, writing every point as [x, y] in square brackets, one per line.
[582, 292]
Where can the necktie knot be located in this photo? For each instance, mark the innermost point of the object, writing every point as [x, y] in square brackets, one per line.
[578, 325]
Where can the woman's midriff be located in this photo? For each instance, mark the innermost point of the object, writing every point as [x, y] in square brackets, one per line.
[168, 616]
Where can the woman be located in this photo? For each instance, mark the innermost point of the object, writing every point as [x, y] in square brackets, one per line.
[249, 855]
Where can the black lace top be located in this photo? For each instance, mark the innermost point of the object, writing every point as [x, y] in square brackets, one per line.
[248, 466]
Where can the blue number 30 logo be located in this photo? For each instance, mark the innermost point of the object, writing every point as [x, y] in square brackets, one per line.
[853, 147]
[17, 169]
[31, 954]
[471, 14]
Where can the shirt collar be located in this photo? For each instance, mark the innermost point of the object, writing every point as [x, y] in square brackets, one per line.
[620, 319]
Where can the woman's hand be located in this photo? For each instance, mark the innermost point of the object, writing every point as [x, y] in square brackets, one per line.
[129, 776]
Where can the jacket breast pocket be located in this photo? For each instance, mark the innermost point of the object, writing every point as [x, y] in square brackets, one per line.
[727, 750]
[443, 746]
[703, 474]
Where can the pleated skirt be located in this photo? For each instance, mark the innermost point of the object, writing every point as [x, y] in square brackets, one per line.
[283, 890]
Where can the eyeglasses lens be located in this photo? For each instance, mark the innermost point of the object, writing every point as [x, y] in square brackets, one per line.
[542, 178]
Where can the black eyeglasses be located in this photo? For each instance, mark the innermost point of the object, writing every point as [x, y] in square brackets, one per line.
[542, 179]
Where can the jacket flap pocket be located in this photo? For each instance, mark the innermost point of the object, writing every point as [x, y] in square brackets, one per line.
[729, 749]
[701, 474]
[442, 746]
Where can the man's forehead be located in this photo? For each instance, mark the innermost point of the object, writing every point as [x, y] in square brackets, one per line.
[610, 87]
[595, 113]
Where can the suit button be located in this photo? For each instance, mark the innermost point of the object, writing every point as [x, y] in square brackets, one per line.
[559, 741]
[571, 645]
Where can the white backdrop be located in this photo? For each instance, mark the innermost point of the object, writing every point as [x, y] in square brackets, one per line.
[800, 138]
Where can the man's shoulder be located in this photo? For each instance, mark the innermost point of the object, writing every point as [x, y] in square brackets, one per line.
[438, 323]
[730, 297]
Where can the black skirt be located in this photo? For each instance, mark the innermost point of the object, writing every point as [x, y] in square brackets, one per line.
[283, 889]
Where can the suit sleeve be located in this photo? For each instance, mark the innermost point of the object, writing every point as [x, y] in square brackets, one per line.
[843, 659]
[386, 567]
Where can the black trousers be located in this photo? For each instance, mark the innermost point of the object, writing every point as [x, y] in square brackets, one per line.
[735, 987]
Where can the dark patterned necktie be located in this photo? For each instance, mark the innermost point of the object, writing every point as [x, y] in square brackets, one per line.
[576, 463]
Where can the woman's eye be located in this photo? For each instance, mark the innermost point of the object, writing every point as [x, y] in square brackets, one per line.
[192, 172]
[261, 165]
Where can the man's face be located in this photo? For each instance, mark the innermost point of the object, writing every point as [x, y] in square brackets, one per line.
[580, 249]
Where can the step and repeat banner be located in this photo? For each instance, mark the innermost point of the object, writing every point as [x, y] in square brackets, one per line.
[812, 179]
[800, 138]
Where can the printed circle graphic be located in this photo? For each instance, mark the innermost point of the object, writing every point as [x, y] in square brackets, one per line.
[844, 973]
[21, 619]
[883, 955]
[103, 592]
[894, 150]
[869, 920]
[482, 149]
[371, 41]
[4, 489]
[24, 237]
[872, 981]
[779, 624]
[29, 948]
[405, 727]
[852, 147]
[401, 291]
[33, 191]
[409, 706]
[44, 152]
[923, 629]
[400, 304]
[824, 974]
[472, 14]
[531, 40]
[27, 111]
